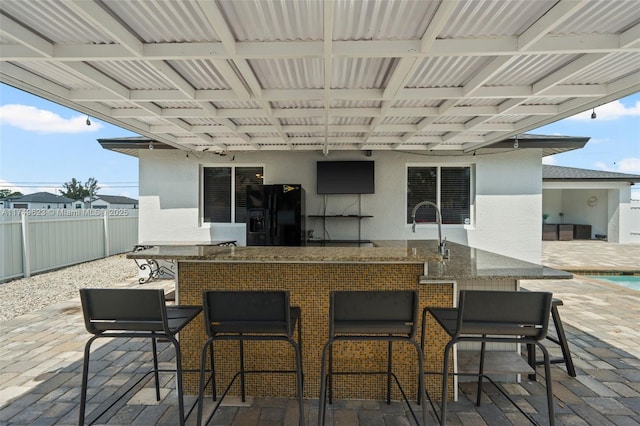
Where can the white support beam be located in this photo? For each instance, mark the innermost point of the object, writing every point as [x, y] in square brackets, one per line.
[24, 36]
[554, 17]
[98, 17]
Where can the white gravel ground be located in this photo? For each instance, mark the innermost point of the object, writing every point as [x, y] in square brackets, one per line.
[25, 295]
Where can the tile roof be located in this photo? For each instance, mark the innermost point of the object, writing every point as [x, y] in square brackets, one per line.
[551, 173]
[115, 199]
[42, 197]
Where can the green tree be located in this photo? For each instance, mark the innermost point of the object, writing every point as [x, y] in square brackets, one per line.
[6, 193]
[76, 190]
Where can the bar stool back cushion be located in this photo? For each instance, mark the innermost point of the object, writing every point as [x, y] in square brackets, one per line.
[373, 312]
[504, 313]
[110, 309]
[248, 312]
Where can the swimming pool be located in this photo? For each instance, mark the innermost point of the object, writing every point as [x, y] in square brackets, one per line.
[629, 281]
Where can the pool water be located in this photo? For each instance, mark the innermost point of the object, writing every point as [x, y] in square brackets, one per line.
[629, 281]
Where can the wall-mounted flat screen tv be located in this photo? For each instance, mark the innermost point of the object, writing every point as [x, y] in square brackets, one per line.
[345, 177]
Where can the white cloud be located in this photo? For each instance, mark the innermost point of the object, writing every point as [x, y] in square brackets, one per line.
[549, 159]
[28, 189]
[611, 111]
[629, 165]
[602, 166]
[32, 119]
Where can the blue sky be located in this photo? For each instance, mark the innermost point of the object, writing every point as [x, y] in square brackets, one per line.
[43, 145]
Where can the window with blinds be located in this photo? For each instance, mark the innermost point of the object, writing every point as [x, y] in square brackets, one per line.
[224, 192]
[448, 187]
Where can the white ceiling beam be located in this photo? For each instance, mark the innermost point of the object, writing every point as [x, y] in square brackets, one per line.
[327, 49]
[552, 18]
[567, 71]
[121, 91]
[89, 73]
[486, 73]
[406, 66]
[130, 113]
[284, 95]
[230, 76]
[574, 90]
[16, 76]
[173, 77]
[630, 37]
[219, 24]
[244, 82]
[373, 113]
[35, 43]
[500, 46]
[186, 112]
[319, 128]
[182, 51]
[93, 13]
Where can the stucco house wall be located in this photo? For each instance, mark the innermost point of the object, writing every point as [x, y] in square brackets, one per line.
[606, 206]
[102, 204]
[506, 197]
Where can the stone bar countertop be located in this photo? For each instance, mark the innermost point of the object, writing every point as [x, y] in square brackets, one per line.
[464, 263]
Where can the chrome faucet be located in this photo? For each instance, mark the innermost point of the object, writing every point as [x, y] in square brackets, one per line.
[442, 250]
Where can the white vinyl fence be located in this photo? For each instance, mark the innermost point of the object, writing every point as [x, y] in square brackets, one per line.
[38, 240]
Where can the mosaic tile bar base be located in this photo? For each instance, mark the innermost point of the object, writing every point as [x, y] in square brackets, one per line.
[309, 285]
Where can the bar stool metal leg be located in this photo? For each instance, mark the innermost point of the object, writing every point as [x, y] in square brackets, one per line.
[85, 379]
[154, 348]
[560, 340]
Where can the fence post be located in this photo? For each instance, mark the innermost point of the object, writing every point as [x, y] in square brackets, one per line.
[106, 233]
[26, 257]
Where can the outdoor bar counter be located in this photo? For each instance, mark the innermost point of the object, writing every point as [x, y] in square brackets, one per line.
[310, 273]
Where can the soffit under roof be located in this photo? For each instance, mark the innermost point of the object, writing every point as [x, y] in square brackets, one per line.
[328, 75]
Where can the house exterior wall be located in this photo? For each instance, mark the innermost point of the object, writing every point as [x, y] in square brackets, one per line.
[33, 205]
[101, 204]
[606, 206]
[634, 221]
[505, 212]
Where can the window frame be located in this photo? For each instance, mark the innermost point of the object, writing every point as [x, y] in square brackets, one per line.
[233, 168]
[439, 167]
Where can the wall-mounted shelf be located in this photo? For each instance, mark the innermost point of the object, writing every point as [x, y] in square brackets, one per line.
[324, 217]
[346, 216]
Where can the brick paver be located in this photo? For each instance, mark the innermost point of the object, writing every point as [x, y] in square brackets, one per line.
[41, 356]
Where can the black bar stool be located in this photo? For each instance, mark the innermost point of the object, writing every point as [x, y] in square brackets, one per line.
[248, 315]
[133, 313]
[388, 316]
[496, 316]
[561, 340]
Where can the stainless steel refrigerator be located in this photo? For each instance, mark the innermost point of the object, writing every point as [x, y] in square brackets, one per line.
[275, 215]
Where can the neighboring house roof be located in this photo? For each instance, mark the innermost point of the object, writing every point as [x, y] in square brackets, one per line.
[559, 173]
[42, 197]
[116, 199]
[550, 144]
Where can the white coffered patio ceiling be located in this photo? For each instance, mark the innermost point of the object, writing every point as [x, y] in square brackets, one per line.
[324, 75]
